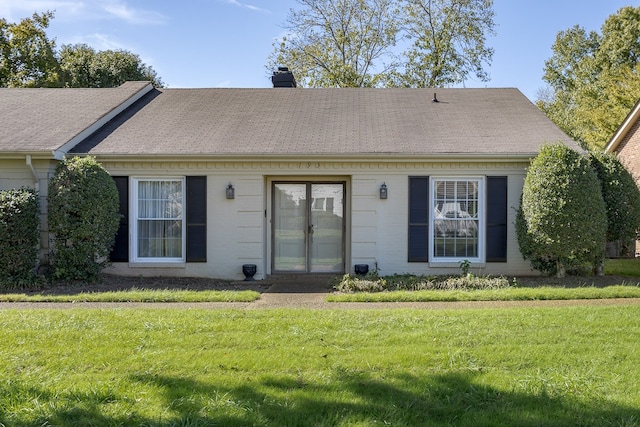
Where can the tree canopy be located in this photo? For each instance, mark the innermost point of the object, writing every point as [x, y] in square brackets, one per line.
[82, 66]
[594, 79]
[28, 58]
[397, 43]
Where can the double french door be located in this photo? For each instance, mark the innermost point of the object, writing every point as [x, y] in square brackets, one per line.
[308, 227]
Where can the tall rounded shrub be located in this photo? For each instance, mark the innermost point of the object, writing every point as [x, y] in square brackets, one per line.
[19, 236]
[562, 220]
[83, 218]
[621, 197]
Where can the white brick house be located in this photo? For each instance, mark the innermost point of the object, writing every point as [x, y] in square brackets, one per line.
[307, 169]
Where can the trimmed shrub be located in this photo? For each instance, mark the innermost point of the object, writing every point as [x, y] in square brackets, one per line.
[562, 220]
[19, 237]
[621, 197]
[83, 218]
[410, 282]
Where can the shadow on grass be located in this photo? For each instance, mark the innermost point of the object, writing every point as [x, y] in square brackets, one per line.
[345, 397]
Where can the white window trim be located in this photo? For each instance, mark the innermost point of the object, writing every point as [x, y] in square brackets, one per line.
[454, 261]
[133, 220]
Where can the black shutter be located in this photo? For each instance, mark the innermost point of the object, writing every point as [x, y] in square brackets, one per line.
[120, 251]
[496, 219]
[418, 219]
[196, 219]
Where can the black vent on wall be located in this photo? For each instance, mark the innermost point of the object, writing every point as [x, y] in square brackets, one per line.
[283, 78]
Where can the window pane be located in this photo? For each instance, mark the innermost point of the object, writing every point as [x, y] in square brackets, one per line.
[159, 199]
[159, 239]
[456, 218]
[159, 219]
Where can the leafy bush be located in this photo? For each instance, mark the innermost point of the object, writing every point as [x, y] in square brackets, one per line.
[562, 220]
[83, 217]
[408, 282]
[19, 237]
[621, 197]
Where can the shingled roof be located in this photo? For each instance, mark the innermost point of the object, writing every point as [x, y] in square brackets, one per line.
[327, 122]
[45, 120]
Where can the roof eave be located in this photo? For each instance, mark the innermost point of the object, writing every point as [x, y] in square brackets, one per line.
[624, 129]
[337, 157]
[35, 155]
[67, 146]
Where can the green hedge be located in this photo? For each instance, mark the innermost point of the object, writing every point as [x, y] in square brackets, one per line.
[562, 220]
[621, 197]
[83, 218]
[19, 237]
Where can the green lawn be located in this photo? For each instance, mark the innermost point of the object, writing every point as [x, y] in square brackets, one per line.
[509, 294]
[137, 295]
[623, 267]
[165, 367]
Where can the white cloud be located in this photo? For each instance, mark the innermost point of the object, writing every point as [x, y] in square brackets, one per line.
[122, 11]
[105, 42]
[15, 10]
[248, 6]
[100, 41]
[70, 10]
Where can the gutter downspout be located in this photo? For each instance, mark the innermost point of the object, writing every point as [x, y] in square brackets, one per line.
[33, 172]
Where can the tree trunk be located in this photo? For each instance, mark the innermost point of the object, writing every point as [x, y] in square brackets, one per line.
[560, 269]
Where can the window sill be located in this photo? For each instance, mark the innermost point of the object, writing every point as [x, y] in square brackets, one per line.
[455, 264]
[157, 264]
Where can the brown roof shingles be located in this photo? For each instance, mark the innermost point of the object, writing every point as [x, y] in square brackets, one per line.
[281, 121]
[34, 120]
[285, 121]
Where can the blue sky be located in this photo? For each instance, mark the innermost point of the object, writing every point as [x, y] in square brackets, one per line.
[225, 43]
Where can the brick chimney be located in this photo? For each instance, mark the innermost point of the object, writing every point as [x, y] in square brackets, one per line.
[283, 78]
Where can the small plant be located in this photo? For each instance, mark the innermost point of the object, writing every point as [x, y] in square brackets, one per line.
[465, 265]
[409, 282]
[371, 282]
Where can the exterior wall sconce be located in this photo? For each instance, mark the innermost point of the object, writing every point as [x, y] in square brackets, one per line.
[231, 192]
[383, 191]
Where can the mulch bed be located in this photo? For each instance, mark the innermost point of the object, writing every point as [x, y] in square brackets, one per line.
[110, 283]
[120, 283]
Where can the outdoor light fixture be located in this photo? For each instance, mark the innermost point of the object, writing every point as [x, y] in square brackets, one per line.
[383, 191]
[231, 192]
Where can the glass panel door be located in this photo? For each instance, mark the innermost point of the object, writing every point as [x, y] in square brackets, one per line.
[326, 238]
[308, 224]
[290, 227]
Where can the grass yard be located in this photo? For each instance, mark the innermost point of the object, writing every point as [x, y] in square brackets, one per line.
[620, 281]
[164, 367]
[623, 267]
[510, 294]
[137, 295]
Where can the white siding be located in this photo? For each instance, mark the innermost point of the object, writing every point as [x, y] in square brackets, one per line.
[16, 173]
[376, 230]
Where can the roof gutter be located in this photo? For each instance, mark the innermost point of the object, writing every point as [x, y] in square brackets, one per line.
[64, 149]
[333, 157]
[36, 181]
